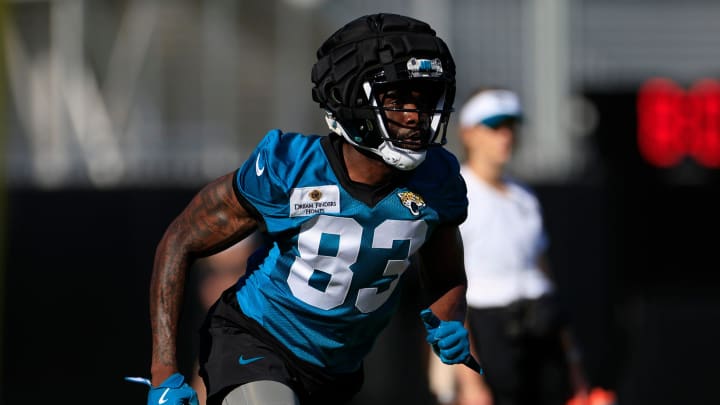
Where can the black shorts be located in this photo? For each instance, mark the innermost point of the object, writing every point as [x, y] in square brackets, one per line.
[236, 350]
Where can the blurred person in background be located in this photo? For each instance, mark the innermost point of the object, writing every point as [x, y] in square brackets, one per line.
[516, 328]
[342, 214]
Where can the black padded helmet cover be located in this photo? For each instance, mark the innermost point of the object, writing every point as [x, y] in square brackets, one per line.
[375, 48]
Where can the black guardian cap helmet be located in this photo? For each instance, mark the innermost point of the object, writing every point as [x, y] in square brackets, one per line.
[377, 52]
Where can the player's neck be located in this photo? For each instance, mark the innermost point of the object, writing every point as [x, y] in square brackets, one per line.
[365, 169]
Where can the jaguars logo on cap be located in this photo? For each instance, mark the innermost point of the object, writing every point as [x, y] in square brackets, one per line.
[412, 201]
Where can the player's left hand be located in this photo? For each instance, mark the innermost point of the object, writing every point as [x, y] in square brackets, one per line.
[449, 339]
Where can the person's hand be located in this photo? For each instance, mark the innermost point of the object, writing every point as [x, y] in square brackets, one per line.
[449, 339]
[173, 391]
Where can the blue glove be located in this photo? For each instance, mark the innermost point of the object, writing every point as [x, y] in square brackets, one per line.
[173, 391]
[449, 339]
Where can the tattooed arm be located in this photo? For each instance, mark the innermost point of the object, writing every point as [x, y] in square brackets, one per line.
[213, 221]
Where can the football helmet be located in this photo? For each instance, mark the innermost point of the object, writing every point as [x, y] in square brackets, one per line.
[374, 54]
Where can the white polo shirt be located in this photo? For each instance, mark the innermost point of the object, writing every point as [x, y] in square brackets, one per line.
[503, 238]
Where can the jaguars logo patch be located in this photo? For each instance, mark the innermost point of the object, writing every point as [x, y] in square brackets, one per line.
[412, 201]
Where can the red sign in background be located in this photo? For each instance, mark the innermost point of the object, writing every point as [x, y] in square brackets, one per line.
[674, 123]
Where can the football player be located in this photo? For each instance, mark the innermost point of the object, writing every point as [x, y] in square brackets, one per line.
[342, 215]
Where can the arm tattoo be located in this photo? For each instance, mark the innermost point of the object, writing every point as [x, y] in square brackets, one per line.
[213, 221]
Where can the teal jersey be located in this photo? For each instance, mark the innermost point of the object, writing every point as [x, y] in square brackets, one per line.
[328, 283]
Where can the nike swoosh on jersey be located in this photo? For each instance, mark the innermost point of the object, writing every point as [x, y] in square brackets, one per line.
[162, 399]
[244, 362]
[258, 170]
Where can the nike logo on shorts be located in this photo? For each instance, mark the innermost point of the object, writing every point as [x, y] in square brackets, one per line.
[244, 361]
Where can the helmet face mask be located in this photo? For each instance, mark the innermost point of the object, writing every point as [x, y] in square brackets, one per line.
[408, 112]
[373, 58]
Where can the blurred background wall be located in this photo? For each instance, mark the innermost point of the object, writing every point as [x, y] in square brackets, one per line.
[115, 112]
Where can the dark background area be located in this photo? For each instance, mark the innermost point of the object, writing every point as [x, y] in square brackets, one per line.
[634, 254]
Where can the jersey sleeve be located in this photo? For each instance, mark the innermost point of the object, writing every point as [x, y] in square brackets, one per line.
[454, 192]
[259, 181]
[441, 184]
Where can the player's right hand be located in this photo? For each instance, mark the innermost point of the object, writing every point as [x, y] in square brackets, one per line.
[173, 391]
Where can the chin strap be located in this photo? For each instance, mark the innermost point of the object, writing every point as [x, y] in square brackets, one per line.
[403, 159]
